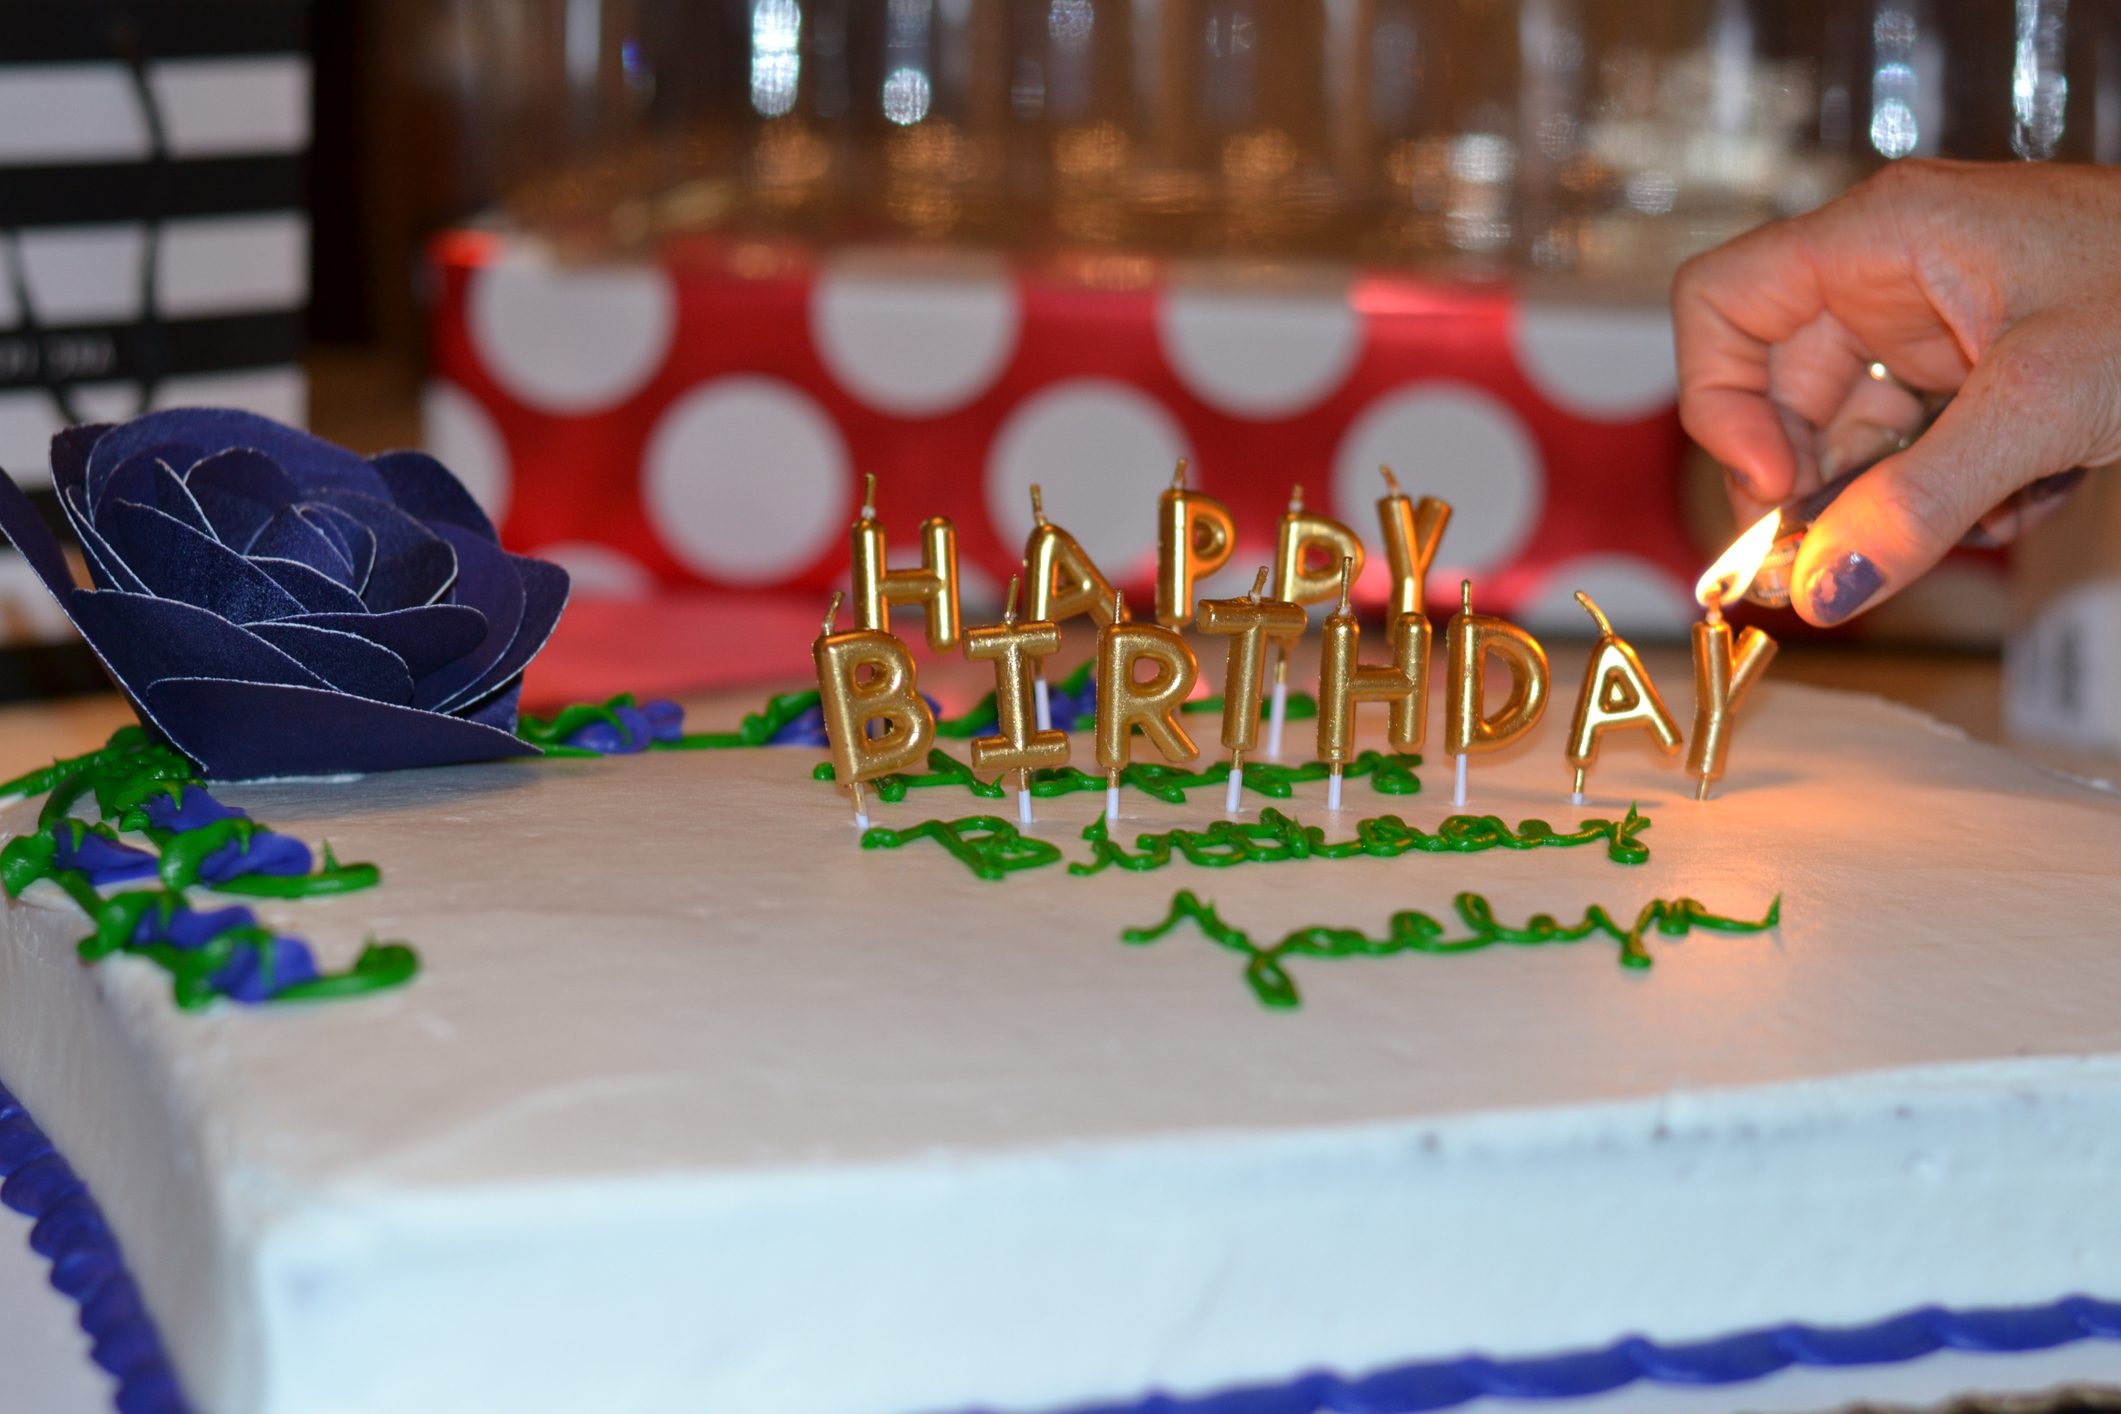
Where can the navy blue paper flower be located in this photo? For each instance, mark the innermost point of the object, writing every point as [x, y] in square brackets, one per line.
[275, 605]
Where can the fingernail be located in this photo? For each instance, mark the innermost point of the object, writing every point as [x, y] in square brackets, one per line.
[2049, 487]
[1841, 587]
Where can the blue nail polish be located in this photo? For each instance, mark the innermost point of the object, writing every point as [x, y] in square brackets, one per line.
[1843, 586]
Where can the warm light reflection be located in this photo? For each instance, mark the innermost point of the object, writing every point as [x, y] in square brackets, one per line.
[1724, 581]
[776, 58]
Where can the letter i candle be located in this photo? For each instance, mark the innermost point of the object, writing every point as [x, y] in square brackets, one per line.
[1019, 745]
[1248, 623]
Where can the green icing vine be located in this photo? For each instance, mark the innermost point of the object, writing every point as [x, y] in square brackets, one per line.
[993, 848]
[122, 776]
[1414, 932]
[756, 729]
[1389, 774]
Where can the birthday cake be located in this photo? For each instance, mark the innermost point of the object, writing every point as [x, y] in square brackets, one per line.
[648, 1082]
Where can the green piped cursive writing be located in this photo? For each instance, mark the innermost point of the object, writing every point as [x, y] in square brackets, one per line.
[1410, 931]
[1275, 837]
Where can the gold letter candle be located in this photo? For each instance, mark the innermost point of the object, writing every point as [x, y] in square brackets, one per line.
[1303, 536]
[1064, 582]
[1469, 726]
[1125, 701]
[1248, 623]
[1195, 536]
[1617, 692]
[1412, 531]
[1020, 746]
[1722, 675]
[1344, 681]
[866, 676]
[877, 588]
[1721, 678]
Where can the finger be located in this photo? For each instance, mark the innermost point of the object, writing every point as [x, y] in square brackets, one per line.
[2032, 407]
[1730, 307]
[1875, 417]
[2029, 506]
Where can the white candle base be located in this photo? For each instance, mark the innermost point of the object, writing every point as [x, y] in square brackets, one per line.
[1023, 807]
[1277, 717]
[1576, 799]
[1237, 788]
[861, 819]
[1111, 802]
[1333, 791]
[1458, 792]
[1044, 702]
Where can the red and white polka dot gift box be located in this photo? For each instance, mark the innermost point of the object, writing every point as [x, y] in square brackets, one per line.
[704, 423]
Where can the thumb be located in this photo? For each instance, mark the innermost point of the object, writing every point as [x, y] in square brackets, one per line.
[2030, 407]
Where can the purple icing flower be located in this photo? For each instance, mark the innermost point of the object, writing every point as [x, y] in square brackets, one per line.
[189, 928]
[104, 860]
[256, 972]
[276, 606]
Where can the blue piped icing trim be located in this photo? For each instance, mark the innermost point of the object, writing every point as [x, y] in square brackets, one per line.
[1411, 1389]
[68, 1231]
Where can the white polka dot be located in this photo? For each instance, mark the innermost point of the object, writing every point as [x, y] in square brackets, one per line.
[1643, 600]
[747, 480]
[1259, 356]
[463, 437]
[571, 341]
[1964, 604]
[1101, 451]
[1458, 444]
[598, 571]
[910, 345]
[1605, 364]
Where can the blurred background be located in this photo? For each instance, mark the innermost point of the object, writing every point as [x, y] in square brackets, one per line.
[660, 279]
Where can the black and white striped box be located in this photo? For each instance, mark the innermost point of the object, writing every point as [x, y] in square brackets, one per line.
[154, 243]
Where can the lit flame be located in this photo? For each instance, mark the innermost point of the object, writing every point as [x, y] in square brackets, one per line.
[1733, 572]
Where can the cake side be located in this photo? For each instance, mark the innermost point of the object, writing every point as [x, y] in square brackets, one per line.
[70, 1048]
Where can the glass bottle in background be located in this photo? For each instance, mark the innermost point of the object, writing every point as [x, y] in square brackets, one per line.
[1433, 120]
[1072, 104]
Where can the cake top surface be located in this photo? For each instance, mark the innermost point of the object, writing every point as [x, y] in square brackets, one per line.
[686, 962]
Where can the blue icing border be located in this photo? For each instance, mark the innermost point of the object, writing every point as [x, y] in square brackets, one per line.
[1736, 1359]
[68, 1230]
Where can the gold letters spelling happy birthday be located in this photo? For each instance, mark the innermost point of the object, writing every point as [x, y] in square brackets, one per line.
[878, 723]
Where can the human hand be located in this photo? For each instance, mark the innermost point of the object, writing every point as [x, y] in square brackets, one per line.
[1998, 284]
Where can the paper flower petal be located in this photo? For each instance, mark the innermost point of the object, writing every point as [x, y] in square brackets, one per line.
[413, 564]
[544, 597]
[355, 542]
[176, 562]
[488, 582]
[313, 464]
[427, 637]
[124, 474]
[315, 593]
[288, 536]
[26, 530]
[348, 663]
[104, 566]
[142, 639]
[148, 480]
[425, 487]
[69, 454]
[248, 730]
[240, 490]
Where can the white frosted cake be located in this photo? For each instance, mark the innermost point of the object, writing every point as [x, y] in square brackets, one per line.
[697, 1104]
